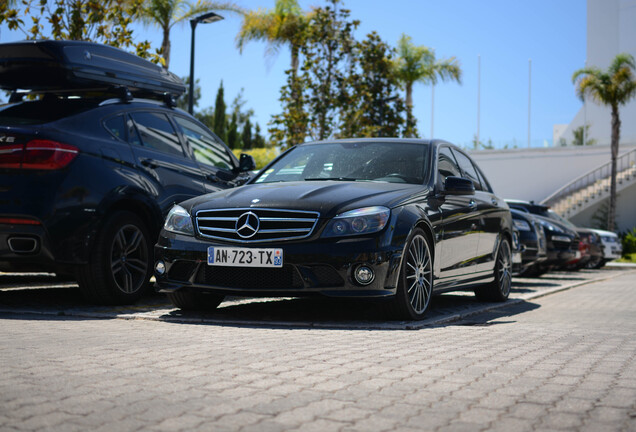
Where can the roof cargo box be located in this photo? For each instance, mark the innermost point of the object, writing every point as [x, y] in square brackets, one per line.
[51, 65]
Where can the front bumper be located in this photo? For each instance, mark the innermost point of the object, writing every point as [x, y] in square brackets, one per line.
[317, 266]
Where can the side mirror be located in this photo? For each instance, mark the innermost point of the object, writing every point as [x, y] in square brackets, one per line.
[458, 186]
[246, 163]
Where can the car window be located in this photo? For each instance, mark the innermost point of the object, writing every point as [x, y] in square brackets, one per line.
[156, 131]
[206, 148]
[468, 170]
[446, 165]
[133, 136]
[116, 126]
[484, 181]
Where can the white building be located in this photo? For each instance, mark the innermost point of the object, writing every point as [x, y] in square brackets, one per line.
[611, 30]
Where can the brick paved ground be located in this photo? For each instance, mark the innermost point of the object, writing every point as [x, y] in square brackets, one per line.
[566, 361]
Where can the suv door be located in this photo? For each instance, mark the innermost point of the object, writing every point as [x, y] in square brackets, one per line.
[160, 155]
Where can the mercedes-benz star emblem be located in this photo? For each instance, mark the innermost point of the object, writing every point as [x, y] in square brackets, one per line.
[247, 225]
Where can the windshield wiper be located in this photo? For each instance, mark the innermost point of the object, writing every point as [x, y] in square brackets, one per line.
[331, 178]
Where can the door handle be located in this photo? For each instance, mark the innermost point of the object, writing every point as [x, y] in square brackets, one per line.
[150, 163]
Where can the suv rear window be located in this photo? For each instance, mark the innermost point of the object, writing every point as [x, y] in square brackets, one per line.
[43, 111]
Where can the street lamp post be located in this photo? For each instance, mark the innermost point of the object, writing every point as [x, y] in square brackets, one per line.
[203, 19]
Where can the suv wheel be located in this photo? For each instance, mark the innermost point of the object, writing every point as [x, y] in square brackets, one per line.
[120, 267]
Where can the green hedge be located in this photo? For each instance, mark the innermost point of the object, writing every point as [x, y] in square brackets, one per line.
[262, 156]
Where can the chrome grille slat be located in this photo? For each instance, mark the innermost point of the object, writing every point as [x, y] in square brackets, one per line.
[274, 224]
[288, 230]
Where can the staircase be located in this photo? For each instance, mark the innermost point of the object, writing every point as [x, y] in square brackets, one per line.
[593, 187]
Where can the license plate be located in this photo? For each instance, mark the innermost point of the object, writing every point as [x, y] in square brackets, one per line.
[578, 254]
[516, 258]
[244, 257]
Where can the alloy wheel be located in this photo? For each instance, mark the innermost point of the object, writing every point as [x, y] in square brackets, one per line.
[504, 269]
[419, 281]
[129, 259]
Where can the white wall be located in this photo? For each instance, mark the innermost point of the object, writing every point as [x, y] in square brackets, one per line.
[534, 174]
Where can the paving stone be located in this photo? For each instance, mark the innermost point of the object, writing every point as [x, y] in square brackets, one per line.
[560, 362]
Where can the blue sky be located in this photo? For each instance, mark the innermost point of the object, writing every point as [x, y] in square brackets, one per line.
[504, 33]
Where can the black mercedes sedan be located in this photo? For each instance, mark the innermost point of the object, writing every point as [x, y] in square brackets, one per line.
[393, 219]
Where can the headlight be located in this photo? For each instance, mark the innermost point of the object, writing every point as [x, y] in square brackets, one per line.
[550, 227]
[179, 221]
[521, 225]
[559, 238]
[366, 220]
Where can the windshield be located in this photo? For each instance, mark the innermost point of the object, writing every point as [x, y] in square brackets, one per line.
[555, 216]
[351, 161]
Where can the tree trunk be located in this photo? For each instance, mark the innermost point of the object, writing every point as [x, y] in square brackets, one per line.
[294, 68]
[616, 131]
[165, 47]
[409, 110]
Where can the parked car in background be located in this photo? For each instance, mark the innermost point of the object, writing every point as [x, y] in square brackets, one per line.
[612, 247]
[387, 218]
[89, 171]
[533, 241]
[591, 249]
[562, 243]
[590, 244]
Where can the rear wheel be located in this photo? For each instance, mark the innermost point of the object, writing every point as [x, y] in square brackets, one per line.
[119, 268]
[195, 300]
[499, 289]
[415, 284]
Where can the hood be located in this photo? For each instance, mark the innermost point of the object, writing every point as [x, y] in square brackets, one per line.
[560, 227]
[329, 198]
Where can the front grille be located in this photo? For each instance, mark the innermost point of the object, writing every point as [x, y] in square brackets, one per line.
[250, 278]
[271, 224]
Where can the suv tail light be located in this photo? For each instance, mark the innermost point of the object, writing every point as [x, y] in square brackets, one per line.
[37, 155]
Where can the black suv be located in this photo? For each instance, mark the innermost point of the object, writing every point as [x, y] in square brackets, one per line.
[87, 175]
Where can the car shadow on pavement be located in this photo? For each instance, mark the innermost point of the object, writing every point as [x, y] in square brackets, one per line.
[329, 313]
[494, 317]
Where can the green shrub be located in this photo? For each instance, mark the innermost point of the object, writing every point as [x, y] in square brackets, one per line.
[262, 156]
[629, 242]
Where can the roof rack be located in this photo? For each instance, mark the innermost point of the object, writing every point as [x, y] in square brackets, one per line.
[121, 93]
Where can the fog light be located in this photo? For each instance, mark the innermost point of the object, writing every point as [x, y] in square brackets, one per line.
[364, 275]
[160, 268]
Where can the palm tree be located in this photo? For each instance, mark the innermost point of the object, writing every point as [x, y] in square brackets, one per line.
[284, 25]
[418, 64]
[613, 88]
[166, 13]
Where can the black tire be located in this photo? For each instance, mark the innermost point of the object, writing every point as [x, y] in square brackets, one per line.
[594, 263]
[601, 264]
[195, 300]
[499, 289]
[415, 281]
[120, 266]
[534, 271]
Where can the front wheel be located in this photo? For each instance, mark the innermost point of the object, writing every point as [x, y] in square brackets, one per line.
[499, 289]
[415, 284]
